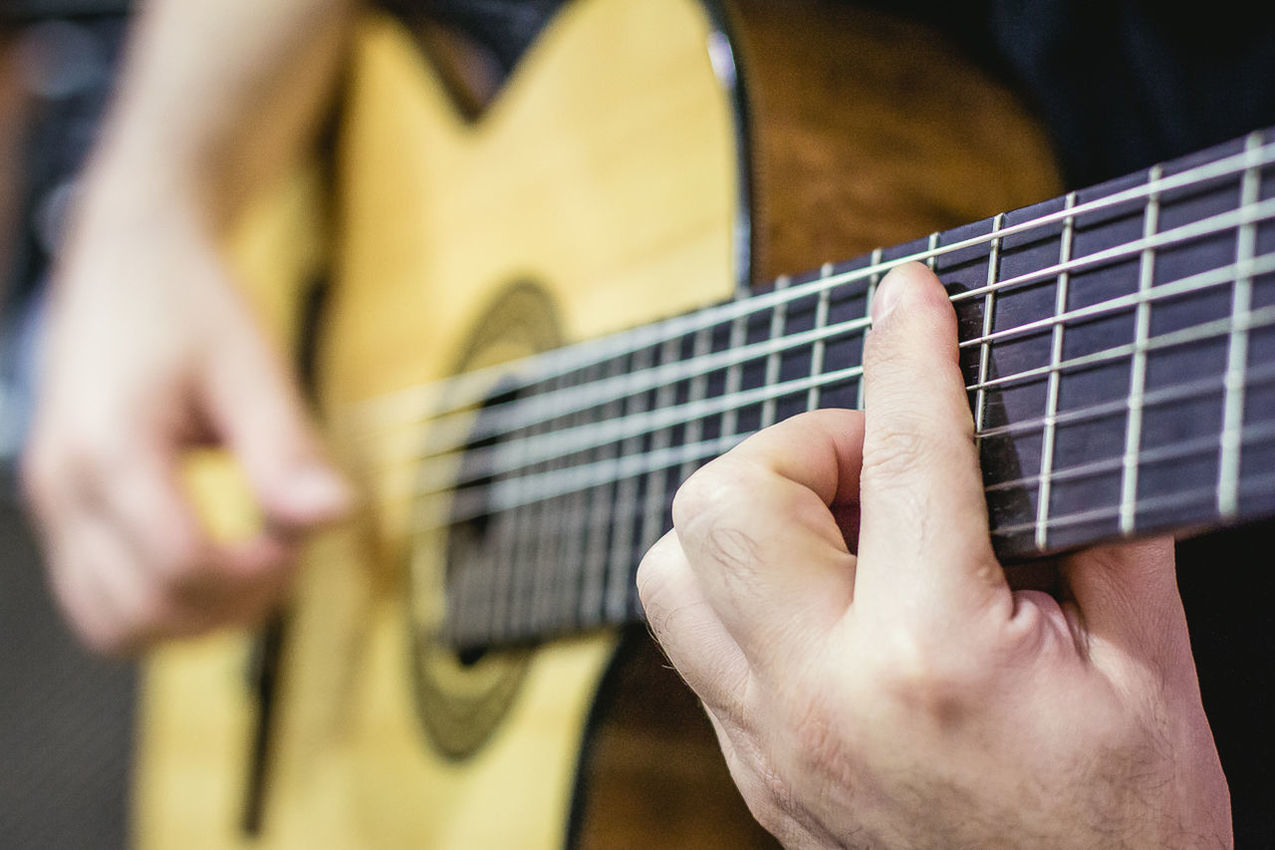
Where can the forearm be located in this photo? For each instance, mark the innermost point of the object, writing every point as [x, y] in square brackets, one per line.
[216, 95]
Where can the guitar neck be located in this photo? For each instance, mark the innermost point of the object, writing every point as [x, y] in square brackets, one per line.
[1118, 346]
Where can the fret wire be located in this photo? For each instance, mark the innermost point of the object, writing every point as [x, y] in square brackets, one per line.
[594, 474]
[1055, 377]
[617, 597]
[1255, 433]
[656, 486]
[1200, 496]
[1111, 408]
[619, 429]
[1228, 488]
[1175, 451]
[873, 282]
[734, 375]
[932, 260]
[459, 426]
[530, 560]
[818, 347]
[1201, 281]
[546, 546]
[697, 391]
[418, 401]
[1138, 368]
[778, 320]
[573, 559]
[594, 581]
[989, 310]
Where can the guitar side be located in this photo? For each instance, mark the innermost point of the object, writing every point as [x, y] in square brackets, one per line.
[602, 189]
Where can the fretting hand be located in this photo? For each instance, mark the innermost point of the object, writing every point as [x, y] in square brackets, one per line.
[831, 594]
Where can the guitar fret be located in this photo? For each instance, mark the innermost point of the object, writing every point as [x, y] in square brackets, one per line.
[819, 346]
[551, 529]
[1138, 373]
[622, 549]
[1055, 376]
[734, 376]
[694, 431]
[661, 441]
[573, 557]
[873, 282]
[989, 308]
[1237, 350]
[601, 508]
[778, 318]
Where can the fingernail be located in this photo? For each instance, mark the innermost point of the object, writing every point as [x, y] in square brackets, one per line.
[316, 489]
[885, 298]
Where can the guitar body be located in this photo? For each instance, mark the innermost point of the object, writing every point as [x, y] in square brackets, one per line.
[620, 176]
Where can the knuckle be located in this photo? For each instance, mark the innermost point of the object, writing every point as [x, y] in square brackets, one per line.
[714, 492]
[898, 453]
[926, 679]
[698, 495]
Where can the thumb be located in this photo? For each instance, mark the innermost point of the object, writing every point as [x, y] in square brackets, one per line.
[256, 409]
[1127, 596]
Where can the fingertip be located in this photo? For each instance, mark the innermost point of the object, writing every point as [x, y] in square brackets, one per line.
[310, 495]
[910, 283]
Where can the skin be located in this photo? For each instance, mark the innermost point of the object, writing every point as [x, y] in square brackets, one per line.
[830, 592]
[152, 351]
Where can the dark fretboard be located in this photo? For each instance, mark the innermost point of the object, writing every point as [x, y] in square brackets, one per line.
[1118, 345]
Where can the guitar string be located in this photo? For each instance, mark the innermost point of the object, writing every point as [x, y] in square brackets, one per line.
[1195, 497]
[417, 402]
[499, 459]
[1149, 507]
[453, 431]
[483, 500]
[1259, 432]
[447, 479]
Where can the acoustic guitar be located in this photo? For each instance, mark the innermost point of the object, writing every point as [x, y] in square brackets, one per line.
[545, 312]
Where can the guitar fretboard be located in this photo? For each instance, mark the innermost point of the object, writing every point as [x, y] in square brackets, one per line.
[1118, 346]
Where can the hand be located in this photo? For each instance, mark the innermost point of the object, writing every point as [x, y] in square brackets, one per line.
[151, 352]
[831, 594]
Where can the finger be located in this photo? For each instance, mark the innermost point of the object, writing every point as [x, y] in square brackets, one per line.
[688, 630]
[81, 598]
[135, 608]
[923, 543]
[256, 408]
[761, 539]
[152, 509]
[1126, 597]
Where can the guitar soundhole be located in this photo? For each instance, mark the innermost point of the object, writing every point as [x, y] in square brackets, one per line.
[465, 675]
